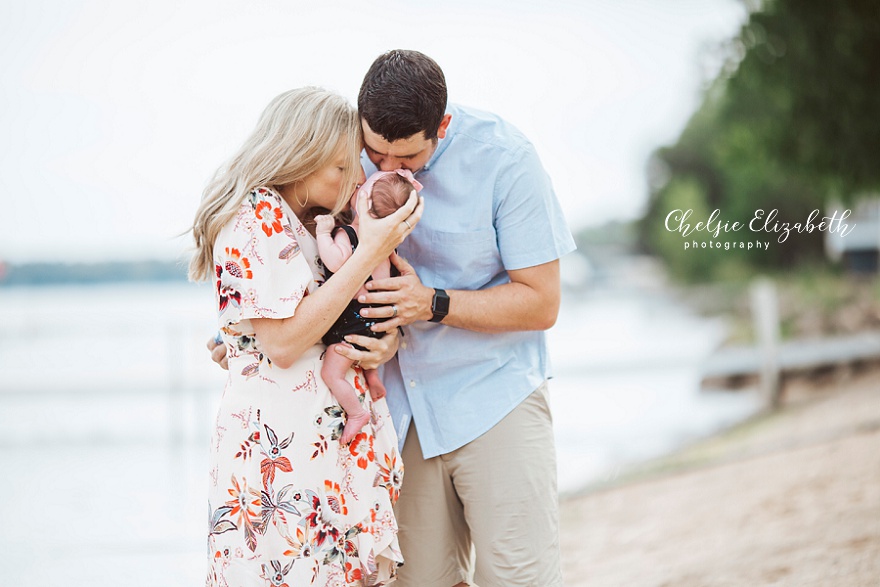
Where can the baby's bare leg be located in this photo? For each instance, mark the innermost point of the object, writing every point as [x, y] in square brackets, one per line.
[374, 382]
[333, 372]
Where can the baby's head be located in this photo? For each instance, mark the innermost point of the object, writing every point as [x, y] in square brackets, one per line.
[389, 190]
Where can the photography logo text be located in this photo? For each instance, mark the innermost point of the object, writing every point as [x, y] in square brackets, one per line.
[762, 225]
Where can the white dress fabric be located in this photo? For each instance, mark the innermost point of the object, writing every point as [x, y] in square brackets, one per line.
[288, 504]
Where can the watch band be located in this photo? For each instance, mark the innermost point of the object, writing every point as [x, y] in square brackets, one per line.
[439, 305]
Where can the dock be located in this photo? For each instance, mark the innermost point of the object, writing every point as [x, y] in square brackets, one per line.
[737, 366]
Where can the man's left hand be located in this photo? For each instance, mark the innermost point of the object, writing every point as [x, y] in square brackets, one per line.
[405, 298]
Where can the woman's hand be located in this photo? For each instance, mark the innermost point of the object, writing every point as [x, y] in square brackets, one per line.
[218, 352]
[380, 349]
[380, 236]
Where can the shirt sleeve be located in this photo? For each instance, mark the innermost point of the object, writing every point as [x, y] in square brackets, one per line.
[530, 227]
[260, 271]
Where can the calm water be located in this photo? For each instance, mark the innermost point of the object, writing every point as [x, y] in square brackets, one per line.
[107, 394]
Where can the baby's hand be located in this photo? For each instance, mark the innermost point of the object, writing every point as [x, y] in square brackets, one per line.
[324, 223]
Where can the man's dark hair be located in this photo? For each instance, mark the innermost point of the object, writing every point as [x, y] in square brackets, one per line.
[403, 93]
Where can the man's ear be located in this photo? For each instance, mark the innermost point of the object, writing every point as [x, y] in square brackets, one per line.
[444, 124]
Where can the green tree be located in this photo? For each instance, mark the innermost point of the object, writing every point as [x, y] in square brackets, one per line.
[792, 122]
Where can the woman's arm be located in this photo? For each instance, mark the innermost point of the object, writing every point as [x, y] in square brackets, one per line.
[285, 340]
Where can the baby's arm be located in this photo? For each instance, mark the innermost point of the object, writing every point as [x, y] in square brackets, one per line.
[382, 270]
[334, 251]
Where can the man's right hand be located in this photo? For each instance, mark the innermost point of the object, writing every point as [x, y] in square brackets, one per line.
[218, 352]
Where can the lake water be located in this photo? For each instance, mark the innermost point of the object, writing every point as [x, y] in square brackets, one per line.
[107, 394]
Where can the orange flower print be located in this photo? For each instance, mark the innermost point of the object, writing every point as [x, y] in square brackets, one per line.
[272, 456]
[362, 448]
[353, 574]
[236, 265]
[245, 504]
[335, 498]
[229, 272]
[301, 544]
[391, 476]
[328, 513]
[269, 216]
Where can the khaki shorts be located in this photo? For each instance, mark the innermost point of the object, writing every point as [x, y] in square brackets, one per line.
[497, 495]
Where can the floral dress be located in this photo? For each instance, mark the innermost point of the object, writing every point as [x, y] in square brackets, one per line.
[288, 504]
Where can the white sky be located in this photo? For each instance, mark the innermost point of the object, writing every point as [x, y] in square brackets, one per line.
[114, 114]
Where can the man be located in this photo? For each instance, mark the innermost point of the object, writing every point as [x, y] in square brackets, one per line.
[468, 384]
[478, 286]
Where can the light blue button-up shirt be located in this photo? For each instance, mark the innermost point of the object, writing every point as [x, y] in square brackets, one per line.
[489, 208]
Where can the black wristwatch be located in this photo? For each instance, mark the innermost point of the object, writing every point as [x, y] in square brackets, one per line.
[439, 305]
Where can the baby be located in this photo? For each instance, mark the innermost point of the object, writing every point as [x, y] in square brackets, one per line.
[387, 191]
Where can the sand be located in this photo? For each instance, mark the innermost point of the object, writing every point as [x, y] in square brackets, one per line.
[789, 498]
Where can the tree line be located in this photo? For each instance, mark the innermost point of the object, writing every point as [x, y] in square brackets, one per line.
[792, 124]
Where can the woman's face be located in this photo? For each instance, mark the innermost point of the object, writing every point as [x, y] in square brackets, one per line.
[323, 186]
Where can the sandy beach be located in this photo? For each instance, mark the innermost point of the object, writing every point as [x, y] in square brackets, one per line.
[789, 498]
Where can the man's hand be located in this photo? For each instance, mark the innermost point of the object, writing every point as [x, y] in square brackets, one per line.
[380, 350]
[405, 294]
[218, 353]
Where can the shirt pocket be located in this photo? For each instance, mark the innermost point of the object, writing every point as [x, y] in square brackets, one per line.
[465, 260]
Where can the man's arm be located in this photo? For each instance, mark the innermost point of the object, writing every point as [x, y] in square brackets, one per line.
[529, 302]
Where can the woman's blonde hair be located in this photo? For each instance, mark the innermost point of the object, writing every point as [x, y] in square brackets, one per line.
[298, 133]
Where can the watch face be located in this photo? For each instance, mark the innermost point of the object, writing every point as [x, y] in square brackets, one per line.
[440, 304]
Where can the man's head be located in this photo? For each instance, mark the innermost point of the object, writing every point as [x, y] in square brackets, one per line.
[402, 105]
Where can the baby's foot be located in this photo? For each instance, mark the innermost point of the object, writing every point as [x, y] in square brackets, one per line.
[353, 425]
[374, 382]
[377, 392]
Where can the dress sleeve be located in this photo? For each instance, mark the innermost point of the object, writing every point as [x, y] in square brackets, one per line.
[260, 271]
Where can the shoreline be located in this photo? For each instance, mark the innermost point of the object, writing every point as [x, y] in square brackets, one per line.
[783, 498]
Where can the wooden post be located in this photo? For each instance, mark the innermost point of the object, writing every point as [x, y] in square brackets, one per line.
[765, 316]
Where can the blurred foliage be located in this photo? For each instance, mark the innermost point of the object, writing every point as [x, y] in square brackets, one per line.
[791, 123]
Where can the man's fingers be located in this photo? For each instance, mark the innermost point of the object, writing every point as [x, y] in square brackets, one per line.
[379, 297]
[385, 284]
[386, 326]
[402, 264]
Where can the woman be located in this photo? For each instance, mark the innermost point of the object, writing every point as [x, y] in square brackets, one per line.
[288, 503]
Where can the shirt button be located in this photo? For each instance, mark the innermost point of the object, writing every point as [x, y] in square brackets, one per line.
[403, 345]
[412, 383]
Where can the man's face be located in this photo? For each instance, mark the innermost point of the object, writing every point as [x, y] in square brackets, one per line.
[412, 152]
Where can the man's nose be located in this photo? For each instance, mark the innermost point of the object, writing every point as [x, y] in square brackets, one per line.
[390, 164]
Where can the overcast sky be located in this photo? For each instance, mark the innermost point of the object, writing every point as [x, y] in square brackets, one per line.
[114, 114]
